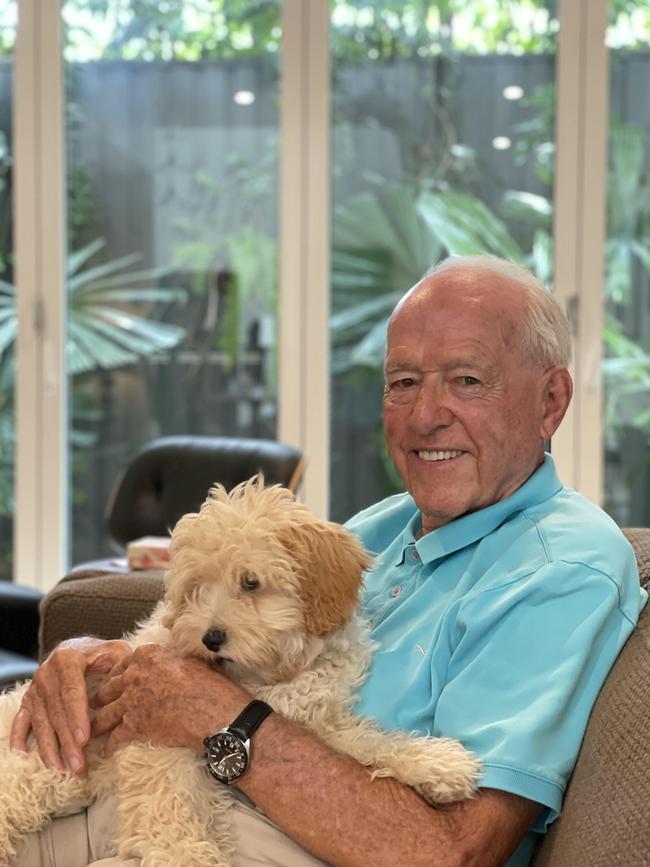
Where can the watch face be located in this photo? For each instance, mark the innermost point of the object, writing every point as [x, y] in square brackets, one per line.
[226, 756]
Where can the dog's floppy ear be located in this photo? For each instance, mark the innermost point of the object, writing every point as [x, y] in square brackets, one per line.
[173, 599]
[176, 577]
[330, 561]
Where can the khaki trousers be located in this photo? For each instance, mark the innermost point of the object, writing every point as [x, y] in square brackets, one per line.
[85, 840]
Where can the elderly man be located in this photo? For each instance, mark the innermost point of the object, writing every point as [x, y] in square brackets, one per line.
[499, 602]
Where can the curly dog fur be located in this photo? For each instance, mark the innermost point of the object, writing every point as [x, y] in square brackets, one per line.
[284, 587]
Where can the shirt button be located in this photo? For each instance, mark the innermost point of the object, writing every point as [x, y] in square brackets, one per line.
[415, 554]
[395, 591]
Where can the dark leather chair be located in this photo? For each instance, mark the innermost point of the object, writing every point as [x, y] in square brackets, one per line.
[172, 475]
[18, 632]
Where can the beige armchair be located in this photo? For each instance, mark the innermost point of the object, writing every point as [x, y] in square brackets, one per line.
[604, 822]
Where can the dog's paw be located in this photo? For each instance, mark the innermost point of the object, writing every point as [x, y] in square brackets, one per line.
[441, 770]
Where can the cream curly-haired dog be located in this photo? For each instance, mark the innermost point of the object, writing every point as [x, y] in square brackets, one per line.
[283, 588]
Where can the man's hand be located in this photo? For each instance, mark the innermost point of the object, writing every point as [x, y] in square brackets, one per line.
[153, 695]
[55, 707]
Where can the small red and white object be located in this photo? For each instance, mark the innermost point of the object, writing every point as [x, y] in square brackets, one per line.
[148, 552]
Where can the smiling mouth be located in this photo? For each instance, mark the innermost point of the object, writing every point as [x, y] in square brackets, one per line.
[439, 455]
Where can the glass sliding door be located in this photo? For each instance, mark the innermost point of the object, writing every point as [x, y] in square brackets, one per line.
[172, 166]
[626, 337]
[8, 19]
[443, 143]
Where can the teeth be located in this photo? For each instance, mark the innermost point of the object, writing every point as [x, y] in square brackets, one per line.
[439, 455]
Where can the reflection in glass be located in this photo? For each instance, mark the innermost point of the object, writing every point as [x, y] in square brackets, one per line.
[172, 187]
[626, 365]
[443, 131]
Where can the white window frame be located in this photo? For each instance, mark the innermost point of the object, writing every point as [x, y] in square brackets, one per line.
[304, 378]
[582, 82]
[40, 493]
[304, 303]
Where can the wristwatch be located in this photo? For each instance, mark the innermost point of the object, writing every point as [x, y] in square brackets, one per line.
[227, 752]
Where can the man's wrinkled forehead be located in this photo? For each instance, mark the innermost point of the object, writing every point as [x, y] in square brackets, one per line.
[473, 281]
[469, 289]
[399, 361]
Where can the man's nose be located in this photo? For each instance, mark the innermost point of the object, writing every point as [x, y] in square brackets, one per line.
[430, 409]
[213, 638]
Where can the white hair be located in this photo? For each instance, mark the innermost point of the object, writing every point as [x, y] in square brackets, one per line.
[545, 333]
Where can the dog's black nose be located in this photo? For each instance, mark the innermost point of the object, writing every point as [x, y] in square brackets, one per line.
[213, 638]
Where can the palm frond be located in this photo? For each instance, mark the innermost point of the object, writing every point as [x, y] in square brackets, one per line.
[102, 335]
[467, 227]
[7, 333]
[89, 350]
[74, 283]
[147, 275]
[153, 335]
[134, 295]
[78, 258]
[528, 207]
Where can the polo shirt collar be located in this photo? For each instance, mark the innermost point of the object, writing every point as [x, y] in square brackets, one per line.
[466, 530]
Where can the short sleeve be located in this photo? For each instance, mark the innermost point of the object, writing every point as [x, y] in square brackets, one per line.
[528, 662]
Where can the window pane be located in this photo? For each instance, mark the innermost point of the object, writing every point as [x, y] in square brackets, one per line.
[8, 14]
[443, 131]
[172, 119]
[626, 365]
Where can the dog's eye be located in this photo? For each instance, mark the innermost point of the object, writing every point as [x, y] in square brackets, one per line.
[248, 583]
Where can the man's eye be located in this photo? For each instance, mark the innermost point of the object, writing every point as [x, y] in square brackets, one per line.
[403, 390]
[248, 583]
[469, 380]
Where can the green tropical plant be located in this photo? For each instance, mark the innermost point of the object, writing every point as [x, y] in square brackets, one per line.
[209, 245]
[6, 461]
[6, 214]
[384, 243]
[103, 331]
[380, 244]
[626, 365]
[628, 211]
[196, 29]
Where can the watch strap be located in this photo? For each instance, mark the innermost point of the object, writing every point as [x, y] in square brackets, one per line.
[250, 719]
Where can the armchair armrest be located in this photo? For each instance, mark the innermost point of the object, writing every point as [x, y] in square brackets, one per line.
[92, 602]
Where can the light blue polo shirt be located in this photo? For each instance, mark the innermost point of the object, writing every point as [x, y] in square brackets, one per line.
[498, 629]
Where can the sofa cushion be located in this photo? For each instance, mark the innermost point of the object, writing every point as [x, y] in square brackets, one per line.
[604, 820]
[102, 604]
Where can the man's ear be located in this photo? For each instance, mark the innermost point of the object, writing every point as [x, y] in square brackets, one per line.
[556, 397]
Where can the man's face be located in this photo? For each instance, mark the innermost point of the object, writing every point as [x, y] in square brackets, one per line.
[463, 411]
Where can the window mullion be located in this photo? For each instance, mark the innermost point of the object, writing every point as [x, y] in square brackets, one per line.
[580, 177]
[40, 519]
[304, 246]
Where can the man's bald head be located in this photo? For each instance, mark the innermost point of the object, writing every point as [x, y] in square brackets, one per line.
[476, 382]
[543, 331]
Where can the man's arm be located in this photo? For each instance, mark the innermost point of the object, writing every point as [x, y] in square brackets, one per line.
[329, 804]
[322, 799]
